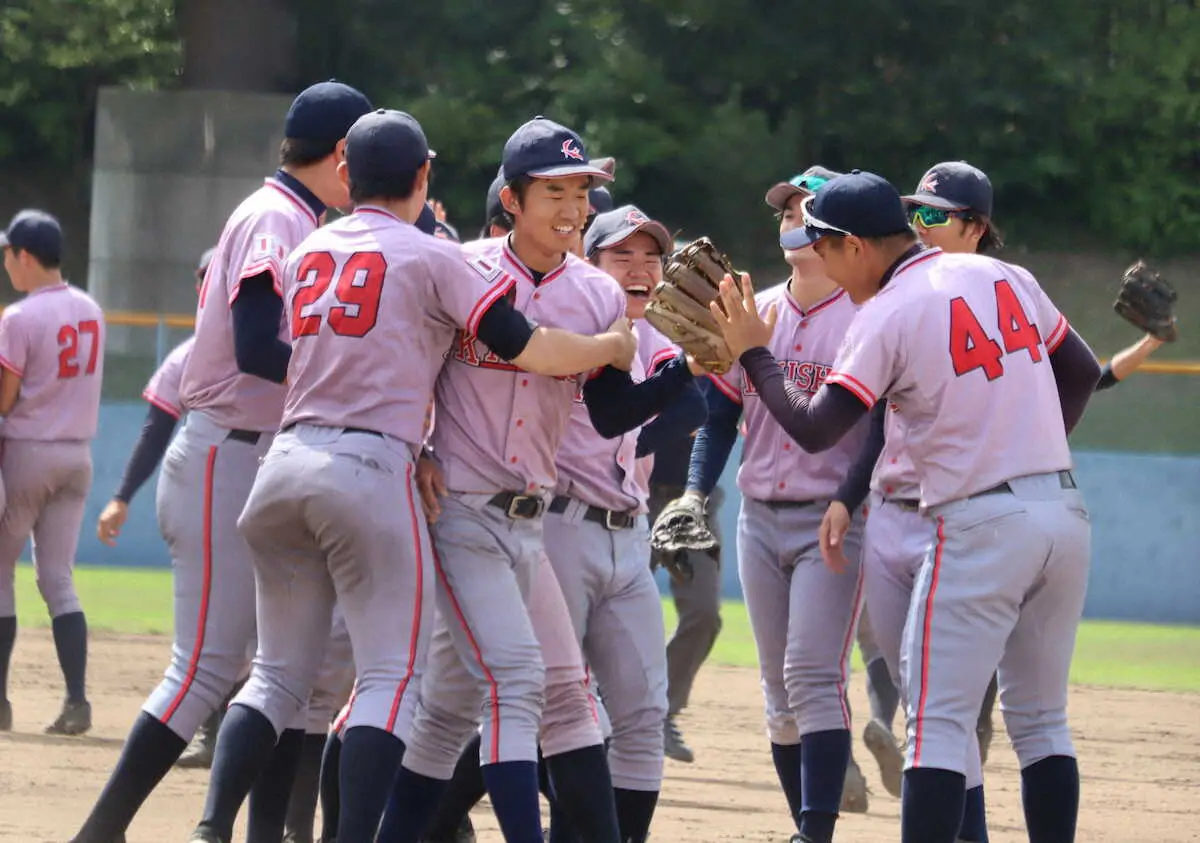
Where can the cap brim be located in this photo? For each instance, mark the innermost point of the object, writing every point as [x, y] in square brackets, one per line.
[933, 201]
[779, 195]
[431, 154]
[569, 170]
[3, 239]
[655, 229]
[801, 237]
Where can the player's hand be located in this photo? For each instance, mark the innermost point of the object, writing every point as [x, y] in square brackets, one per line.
[431, 483]
[112, 519]
[834, 527]
[624, 344]
[738, 317]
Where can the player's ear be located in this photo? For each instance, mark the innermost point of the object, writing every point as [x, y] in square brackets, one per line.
[339, 151]
[343, 174]
[509, 201]
[423, 174]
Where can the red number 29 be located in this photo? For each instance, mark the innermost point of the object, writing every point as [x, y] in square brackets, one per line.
[970, 346]
[359, 288]
[68, 348]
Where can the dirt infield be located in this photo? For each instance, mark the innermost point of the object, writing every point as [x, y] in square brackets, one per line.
[1140, 754]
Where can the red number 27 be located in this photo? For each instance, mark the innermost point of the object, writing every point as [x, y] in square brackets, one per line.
[68, 348]
[359, 288]
[970, 346]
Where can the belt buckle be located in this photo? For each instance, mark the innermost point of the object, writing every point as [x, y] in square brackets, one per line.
[616, 520]
[514, 507]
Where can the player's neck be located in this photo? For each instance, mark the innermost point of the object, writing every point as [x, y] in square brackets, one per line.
[50, 278]
[535, 258]
[408, 210]
[809, 288]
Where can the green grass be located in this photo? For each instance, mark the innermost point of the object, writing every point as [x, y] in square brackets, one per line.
[1125, 655]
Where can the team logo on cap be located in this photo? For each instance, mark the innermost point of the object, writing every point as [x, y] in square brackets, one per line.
[928, 184]
[636, 217]
[570, 150]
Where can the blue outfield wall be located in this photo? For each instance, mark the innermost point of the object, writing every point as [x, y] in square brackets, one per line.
[1145, 517]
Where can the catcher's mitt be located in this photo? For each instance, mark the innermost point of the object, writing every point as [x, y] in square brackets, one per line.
[677, 563]
[679, 306]
[1147, 301]
[682, 525]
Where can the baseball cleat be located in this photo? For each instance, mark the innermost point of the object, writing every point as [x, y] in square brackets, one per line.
[984, 735]
[5, 716]
[199, 753]
[74, 719]
[854, 791]
[882, 744]
[205, 835]
[673, 745]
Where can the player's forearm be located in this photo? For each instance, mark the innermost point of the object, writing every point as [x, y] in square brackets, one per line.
[857, 482]
[1127, 361]
[257, 312]
[713, 443]
[148, 451]
[557, 353]
[1076, 373]
[817, 423]
[617, 405]
[680, 419]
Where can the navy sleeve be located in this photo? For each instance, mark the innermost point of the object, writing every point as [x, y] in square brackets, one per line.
[678, 421]
[857, 482]
[257, 312]
[147, 452]
[1107, 378]
[1077, 372]
[714, 442]
[816, 423]
[504, 329]
[617, 405]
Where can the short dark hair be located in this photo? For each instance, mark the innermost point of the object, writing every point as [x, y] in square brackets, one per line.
[294, 152]
[400, 187]
[991, 240]
[907, 236]
[45, 261]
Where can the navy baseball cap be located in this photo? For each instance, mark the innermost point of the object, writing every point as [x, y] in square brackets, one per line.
[384, 146]
[494, 208]
[612, 228]
[427, 221]
[325, 112]
[446, 231]
[600, 200]
[802, 184]
[954, 186]
[35, 232]
[543, 149]
[858, 203]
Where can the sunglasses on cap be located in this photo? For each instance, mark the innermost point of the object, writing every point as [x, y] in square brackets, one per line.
[818, 225]
[810, 183]
[929, 217]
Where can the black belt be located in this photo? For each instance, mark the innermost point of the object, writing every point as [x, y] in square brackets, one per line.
[609, 518]
[1066, 480]
[344, 430]
[250, 437]
[519, 507]
[773, 504]
[907, 504]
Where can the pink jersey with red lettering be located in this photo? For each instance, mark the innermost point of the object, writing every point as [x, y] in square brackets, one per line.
[498, 427]
[258, 238]
[606, 472]
[374, 305]
[895, 476]
[53, 340]
[805, 343]
[163, 389]
[961, 344]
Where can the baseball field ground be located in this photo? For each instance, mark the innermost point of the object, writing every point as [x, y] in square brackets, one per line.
[1135, 709]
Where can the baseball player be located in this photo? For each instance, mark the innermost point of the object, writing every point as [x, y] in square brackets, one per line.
[956, 342]
[233, 394]
[500, 471]
[803, 615]
[951, 209]
[51, 366]
[597, 537]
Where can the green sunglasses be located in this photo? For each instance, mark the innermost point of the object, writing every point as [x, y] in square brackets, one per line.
[810, 183]
[929, 217]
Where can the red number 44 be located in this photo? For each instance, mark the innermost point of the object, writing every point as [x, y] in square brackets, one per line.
[68, 348]
[970, 346]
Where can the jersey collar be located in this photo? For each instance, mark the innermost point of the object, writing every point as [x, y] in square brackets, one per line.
[49, 288]
[378, 211]
[919, 253]
[295, 190]
[525, 272]
[821, 305]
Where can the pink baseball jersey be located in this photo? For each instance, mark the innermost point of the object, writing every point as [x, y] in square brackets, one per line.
[53, 340]
[374, 305]
[258, 238]
[895, 476]
[606, 472]
[163, 389]
[498, 427]
[805, 343]
[961, 344]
